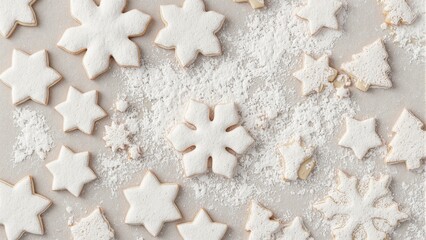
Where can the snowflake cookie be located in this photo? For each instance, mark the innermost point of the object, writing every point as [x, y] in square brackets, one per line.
[295, 230]
[315, 74]
[360, 209]
[370, 68]
[409, 142]
[255, 4]
[94, 226]
[116, 136]
[21, 207]
[320, 13]
[210, 136]
[71, 171]
[202, 227]
[260, 223]
[190, 30]
[398, 12]
[360, 136]
[152, 204]
[104, 32]
[297, 159]
[30, 77]
[14, 12]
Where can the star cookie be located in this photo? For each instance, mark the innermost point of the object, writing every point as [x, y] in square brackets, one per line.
[80, 111]
[260, 225]
[320, 13]
[30, 77]
[255, 4]
[202, 227]
[295, 230]
[297, 160]
[94, 226]
[71, 171]
[190, 30]
[398, 12]
[16, 12]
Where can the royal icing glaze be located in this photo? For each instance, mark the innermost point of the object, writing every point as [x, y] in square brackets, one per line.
[398, 12]
[294, 154]
[259, 224]
[14, 12]
[295, 230]
[30, 77]
[315, 74]
[320, 13]
[80, 111]
[211, 138]
[20, 208]
[104, 32]
[116, 136]
[152, 204]
[190, 30]
[409, 142]
[202, 227]
[360, 210]
[360, 136]
[94, 226]
[370, 68]
[255, 4]
[71, 171]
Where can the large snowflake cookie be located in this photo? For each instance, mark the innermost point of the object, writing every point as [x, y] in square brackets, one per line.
[370, 68]
[295, 230]
[361, 209]
[20, 208]
[210, 136]
[190, 30]
[94, 226]
[260, 223]
[297, 159]
[315, 74]
[255, 4]
[202, 227]
[152, 204]
[398, 12]
[104, 32]
[409, 142]
[14, 12]
[30, 77]
[320, 13]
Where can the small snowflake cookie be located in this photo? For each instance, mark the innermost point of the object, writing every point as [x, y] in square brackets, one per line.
[260, 223]
[397, 12]
[190, 30]
[104, 33]
[152, 204]
[320, 13]
[295, 230]
[202, 227]
[361, 209]
[116, 136]
[370, 68]
[210, 137]
[30, 77]
[94, 226]
[20, 208]
[409, 142]
[16, 12]
[255, 4]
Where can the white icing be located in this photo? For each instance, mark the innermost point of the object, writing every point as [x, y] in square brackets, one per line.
[202, 227]
[152, 204]
[30, 77]
[255, 4]
[80, 111]
[210, 138]
[295, 230]
[360, 210]
[14, 12]
[320, 13]
[315, 74]
[93, 227]
[104, 32]
[398, 11]
[294, 154]
[20, 208]
[409, 142]
[116, 136]
[260, 225]
[190, 30]
[71, 171]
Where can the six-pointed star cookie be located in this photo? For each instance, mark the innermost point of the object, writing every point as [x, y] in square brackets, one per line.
[14, 12]
[294, 154]
[80, 110]
[315, 74]
[93, 227]
[202, 227]
[30, 77]
[190, 30]
[71, 171]
[361, 136]
[152, 204]
[320, 13]
[21, 207]
[104, 32]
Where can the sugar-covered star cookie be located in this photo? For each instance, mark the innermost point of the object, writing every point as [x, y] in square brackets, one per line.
[320, 13]
[80, 111]
[294, 155]
[152, 204]
[93, 227]
[397, 12]
[315, 74]
[360, 136]
[14, 12]
[190, 30]
[30, 77]
[295, 230]
[202, 227]
[71, 171]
